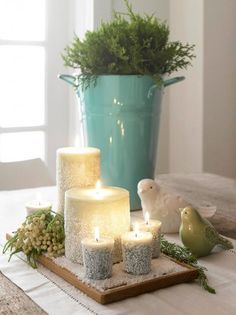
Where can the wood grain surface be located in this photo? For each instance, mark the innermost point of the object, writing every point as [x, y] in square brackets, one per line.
[122, 292]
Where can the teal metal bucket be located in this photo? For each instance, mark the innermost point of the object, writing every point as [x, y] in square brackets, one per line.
[121, 117]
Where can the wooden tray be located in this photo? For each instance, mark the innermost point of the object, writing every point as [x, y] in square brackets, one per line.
[121, 292]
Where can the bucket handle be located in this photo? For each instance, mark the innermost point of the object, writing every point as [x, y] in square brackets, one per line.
[165, 83]
[173, 81]
[72, 80]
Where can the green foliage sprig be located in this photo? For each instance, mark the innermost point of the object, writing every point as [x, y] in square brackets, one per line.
[182, 254]
[129, 44]
[41, 232]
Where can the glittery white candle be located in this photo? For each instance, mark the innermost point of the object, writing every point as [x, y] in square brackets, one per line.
[137, 252]
[106, 207]
[76, 167]
[97, 257]
[37, 204]
[154, 227]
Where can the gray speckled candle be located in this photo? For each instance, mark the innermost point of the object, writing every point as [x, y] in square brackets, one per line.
[97, 258]
[137, 252]
[153, 226]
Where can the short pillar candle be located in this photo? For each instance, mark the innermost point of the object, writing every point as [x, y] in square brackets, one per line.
[37, 204]
[106, 207]
[76, 167]
[97, 257]
[137, 252]
[154, 227]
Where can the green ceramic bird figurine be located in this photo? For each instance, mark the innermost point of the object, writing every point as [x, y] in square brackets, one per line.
[198, 234]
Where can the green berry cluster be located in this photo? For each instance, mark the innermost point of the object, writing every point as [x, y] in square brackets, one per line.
[41, 232]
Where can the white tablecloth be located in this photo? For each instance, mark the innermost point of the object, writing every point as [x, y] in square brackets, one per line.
[57, 297]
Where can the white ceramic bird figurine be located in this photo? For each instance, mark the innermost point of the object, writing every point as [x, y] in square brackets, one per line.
[164, 205]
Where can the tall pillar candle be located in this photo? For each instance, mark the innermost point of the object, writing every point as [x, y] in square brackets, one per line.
[76, 167]
[85, 208]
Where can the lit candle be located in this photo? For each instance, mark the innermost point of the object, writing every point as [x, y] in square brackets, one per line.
[96, 234]
[137, 251]
[98, 190]
[154, 227]
[107, 207]
[76, 167]
[97, 256]
[136, 229]
[37, 204]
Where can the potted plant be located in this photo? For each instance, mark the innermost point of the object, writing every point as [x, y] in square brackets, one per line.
[123, 66]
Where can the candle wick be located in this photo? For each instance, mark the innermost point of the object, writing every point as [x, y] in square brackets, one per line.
[136, 234]
[96, 239]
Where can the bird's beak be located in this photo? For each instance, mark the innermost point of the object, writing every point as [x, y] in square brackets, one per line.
[181, 209]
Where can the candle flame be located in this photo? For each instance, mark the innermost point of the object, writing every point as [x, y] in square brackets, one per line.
[77, 141]
[38, 198]
[98, 190]
[147, 217]
[96, 233]
[136, 229]
[98, 186]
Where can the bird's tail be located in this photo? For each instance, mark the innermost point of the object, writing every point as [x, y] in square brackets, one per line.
[226, 244]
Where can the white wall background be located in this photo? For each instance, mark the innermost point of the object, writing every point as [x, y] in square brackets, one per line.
[198, 129]
[186, 99]
[219, 123]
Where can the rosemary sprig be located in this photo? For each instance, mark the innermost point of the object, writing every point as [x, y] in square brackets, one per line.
[183, 254]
